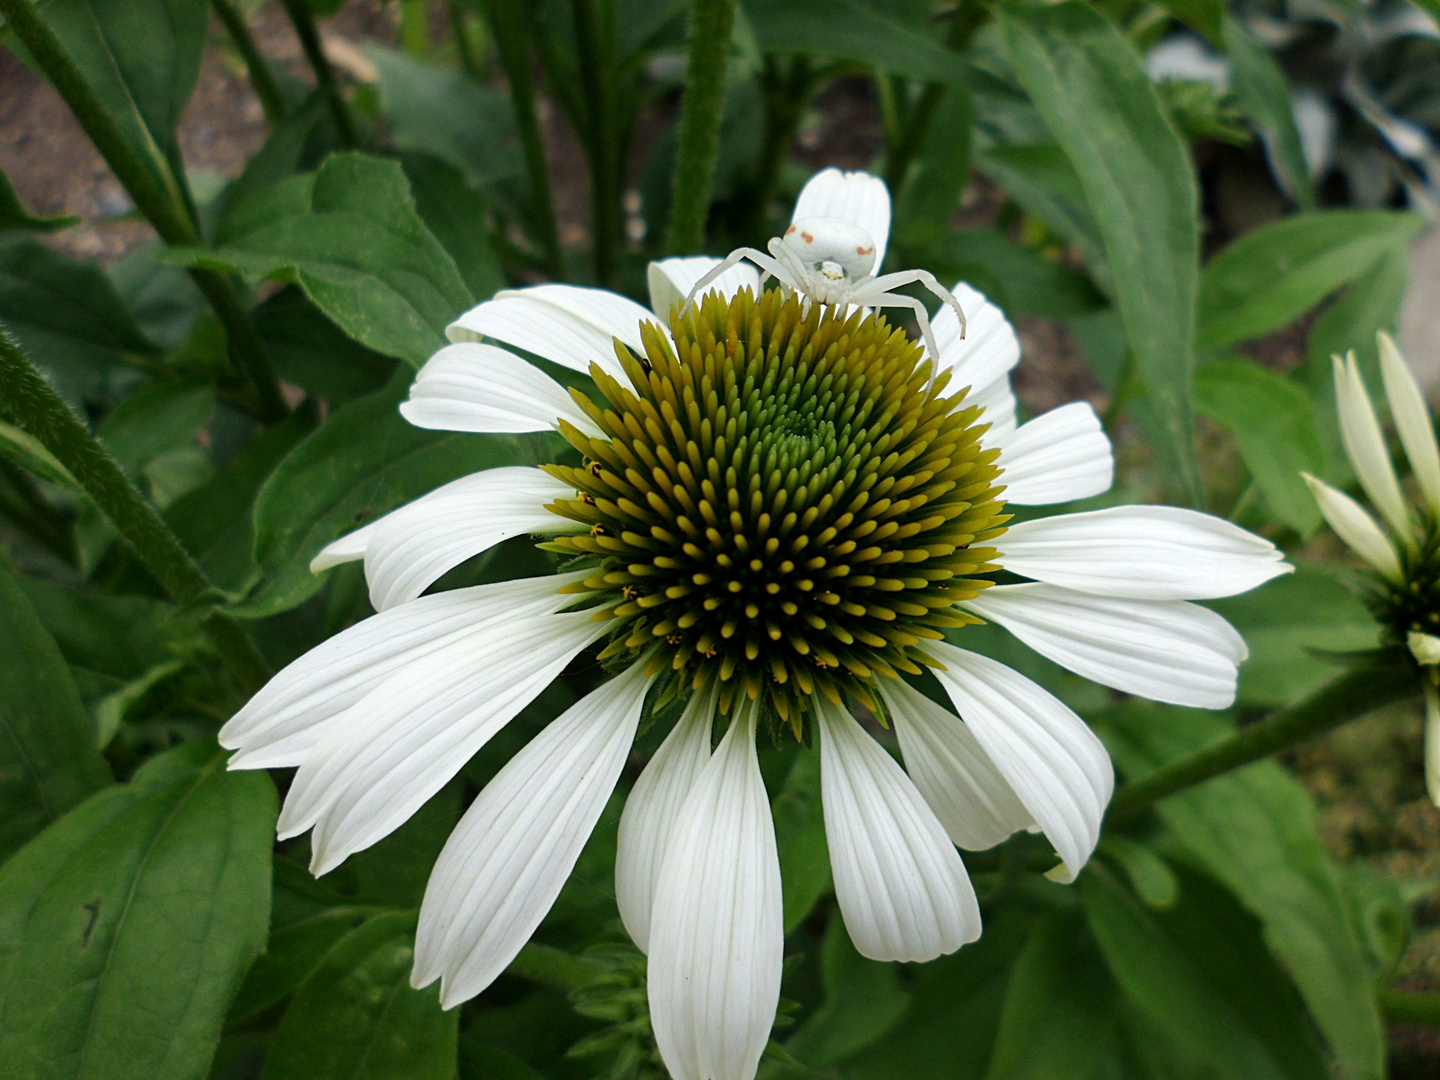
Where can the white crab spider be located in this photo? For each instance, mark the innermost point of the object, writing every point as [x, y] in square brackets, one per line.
[829, 260]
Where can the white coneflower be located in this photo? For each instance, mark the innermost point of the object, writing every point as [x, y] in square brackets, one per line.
[1406, 594]
[780, 508]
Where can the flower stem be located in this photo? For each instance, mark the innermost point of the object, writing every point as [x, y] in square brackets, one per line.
[262, 78]
[710, 24]
[1347, 697]
[601, 138]
[45, 415]
[786, 93]
[464, 47]
[304, 22]
[507, 24]
[968, 18]
[156, 191]
[1410, 1007]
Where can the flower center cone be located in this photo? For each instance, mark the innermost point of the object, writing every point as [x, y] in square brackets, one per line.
[784, 502]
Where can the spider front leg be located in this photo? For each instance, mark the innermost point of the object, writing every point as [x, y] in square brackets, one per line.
[759, 258]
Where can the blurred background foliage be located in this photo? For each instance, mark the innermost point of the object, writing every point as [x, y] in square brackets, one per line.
[1187, 207]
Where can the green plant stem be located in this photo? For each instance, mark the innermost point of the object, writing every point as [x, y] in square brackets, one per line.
[303, 20]
[711, 22]
[969, 17]
[156, 191]
[786, 92]
[464, 47]
[415, 27]
[553, 967]
[507, 24]
[1347, 697]
[262, 78]
[601, 139]
[45, 415]
[1410, 1007]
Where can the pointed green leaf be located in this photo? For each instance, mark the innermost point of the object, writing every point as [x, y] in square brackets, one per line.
[13, 214]
[363, 462]
[1261, 91]
[356, 1017]
[350, 237]
[1272, 276]
[126, 927]
[48, 759]
[1273, 422]
[854, 30]
[1254, 830]
[1092, 90]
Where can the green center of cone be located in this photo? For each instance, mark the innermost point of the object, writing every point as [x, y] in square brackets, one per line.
[787, 507]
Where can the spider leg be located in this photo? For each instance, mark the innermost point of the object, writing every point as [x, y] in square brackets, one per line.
[736, 257]
[893, 300]
[918, 277]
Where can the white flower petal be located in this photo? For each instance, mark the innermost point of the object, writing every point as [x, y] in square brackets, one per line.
[410, 548]
[972, 799]
[278, 726]
[347, 548]
[998, 401]
[856, 197]
[1057, 457]
[1052, 760]
[1358, 529]
[1365, 446]
[473, 387]
[1143, 553]
[1166, 650]
[509, 856]
[652, 810]
[671, 280]
[376, 764]
[990, 347]
[567, 324]
[716, 935]
[902, 888]
[1412, 420]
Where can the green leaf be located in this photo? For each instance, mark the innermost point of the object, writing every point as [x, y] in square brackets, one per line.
[158, 420]
[108, 641]
[1261, 91]
[1163, 984]
[800, 838]
[1254, 830]
[853, 30]
[1100, 105]
[1272, 276]
[214, 521]
[1059, 1015]
[1224, 945]
[1016, 278]
[311, 351]
[932, 189]
[356, 1017]
[30, 453]
[13, 214]
[48, 759]
[293, 952]
[69, 319]
[142, 59]
[1285, 623]
[363, 462]
[1040, 178]
[863, 1000]
[449, 115]
[350, 237]
[1273, 422]
[1203, 15]
[126, 927]
[955, 1007]
[455, 214]
[1149, 874]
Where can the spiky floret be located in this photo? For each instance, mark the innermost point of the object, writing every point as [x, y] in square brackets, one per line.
[1413, 606]
[789, 506]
